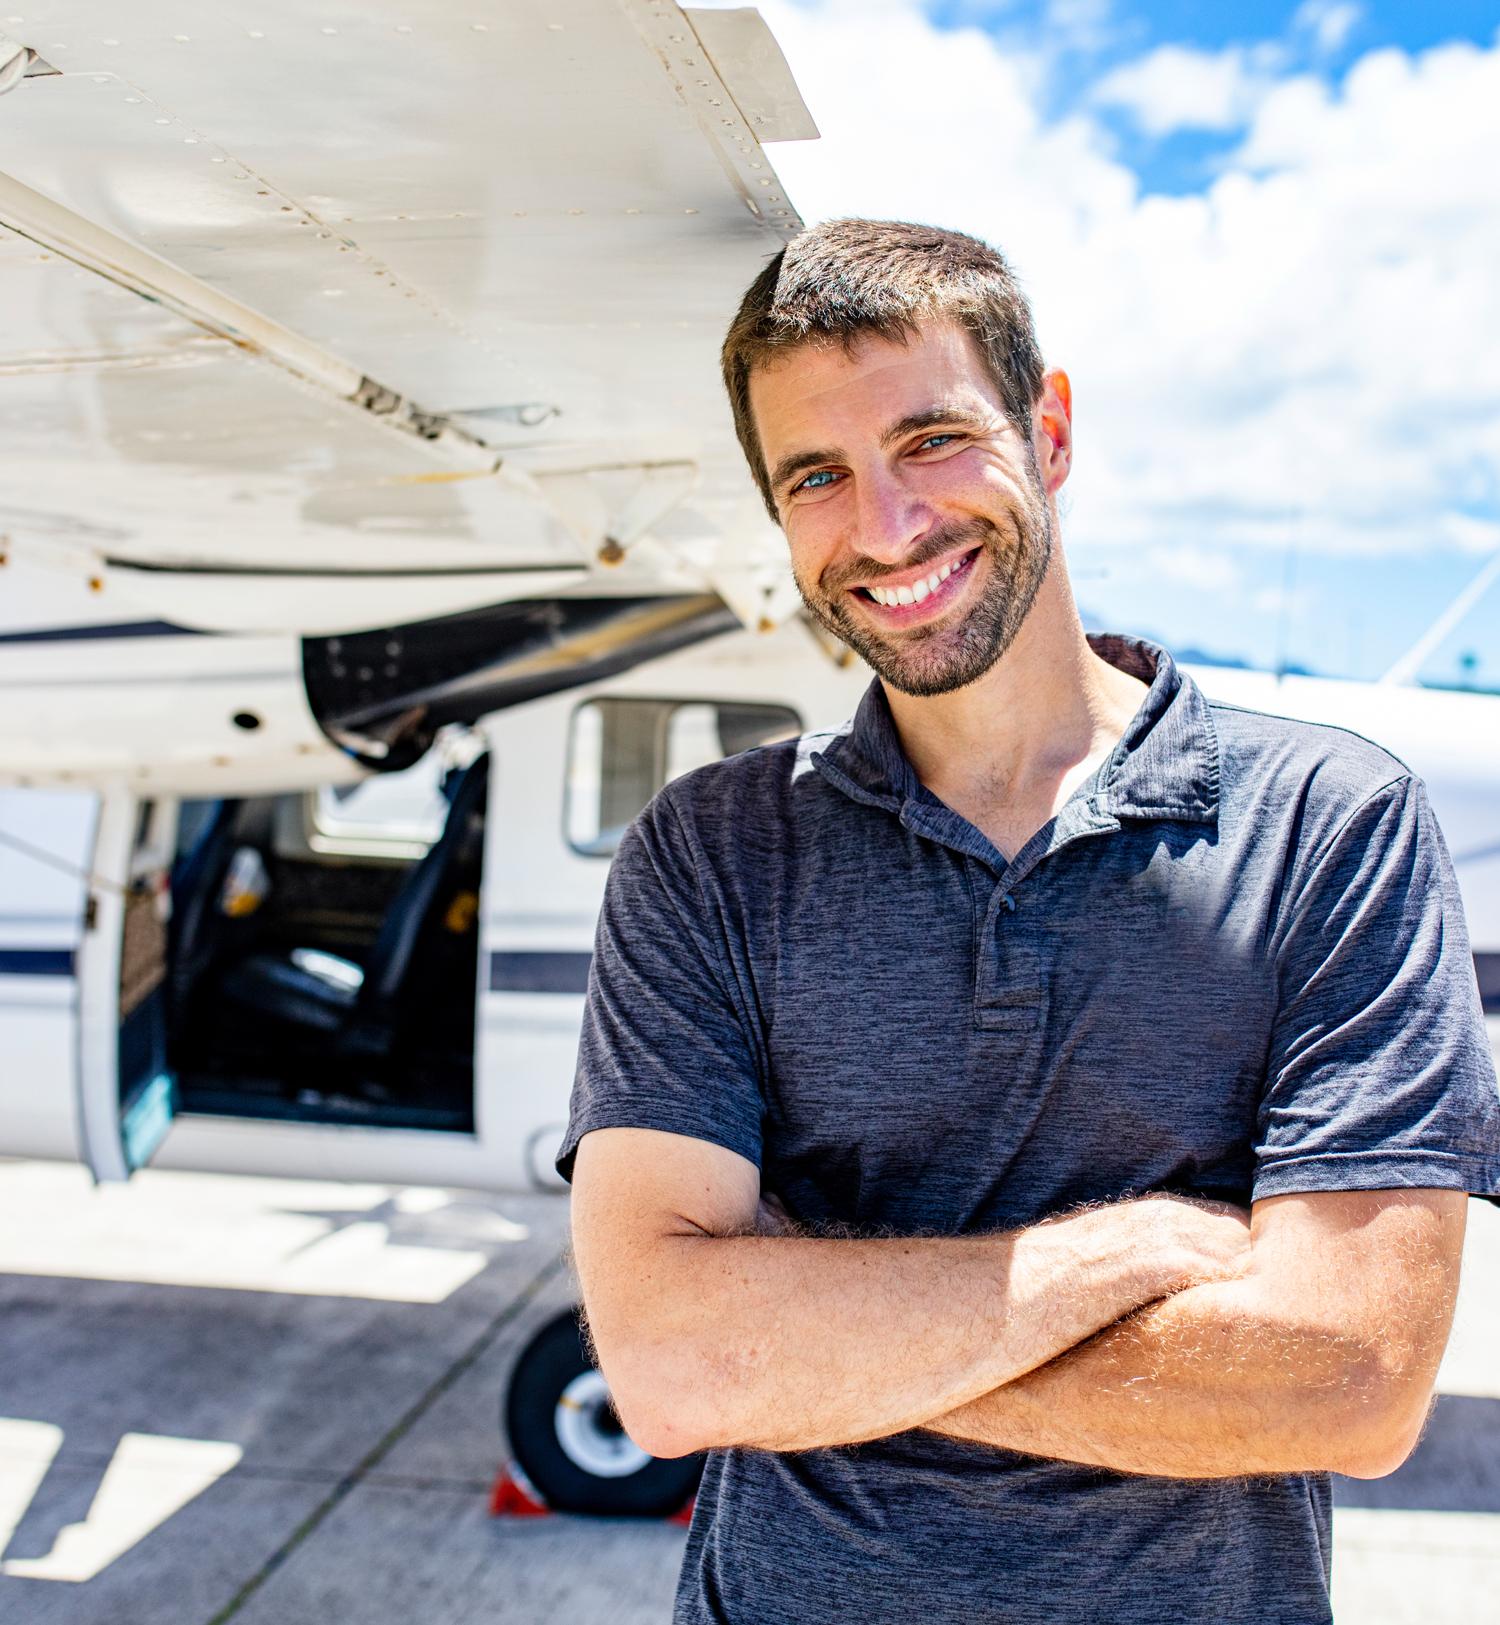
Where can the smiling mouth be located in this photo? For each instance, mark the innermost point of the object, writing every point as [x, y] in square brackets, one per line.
[937, 587]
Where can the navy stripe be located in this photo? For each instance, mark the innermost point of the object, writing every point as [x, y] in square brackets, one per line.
[119, 629]
[568, 972]
[37, 962]
[332, 572]
[539, 972]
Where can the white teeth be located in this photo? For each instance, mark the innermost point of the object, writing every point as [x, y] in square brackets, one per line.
[915, 593]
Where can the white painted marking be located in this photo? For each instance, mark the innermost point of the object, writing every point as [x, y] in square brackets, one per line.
[1414, 1568]
[26, 1452]
[148, 1480]
[385, 1243]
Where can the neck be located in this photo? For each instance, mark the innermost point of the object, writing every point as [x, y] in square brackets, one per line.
[1045, 712]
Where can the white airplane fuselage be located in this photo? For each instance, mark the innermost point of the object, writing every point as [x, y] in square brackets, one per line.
[117, 1052]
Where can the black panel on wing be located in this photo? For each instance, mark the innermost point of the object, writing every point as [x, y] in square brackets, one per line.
[382, 695]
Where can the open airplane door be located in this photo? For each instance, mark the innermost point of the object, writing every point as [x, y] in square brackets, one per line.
[126, 1094]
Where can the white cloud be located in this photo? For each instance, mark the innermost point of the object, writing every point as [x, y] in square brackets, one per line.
[1200, 567]
[1330, 22]
[1084, 25]
[1178, 87]
[1279, 599]
[1308, 352]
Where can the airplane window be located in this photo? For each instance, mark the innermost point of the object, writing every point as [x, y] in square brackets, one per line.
[389, 814]
[621, 751]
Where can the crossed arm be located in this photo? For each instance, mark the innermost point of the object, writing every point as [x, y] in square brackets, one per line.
[1151, 1336]
[1322, 1355]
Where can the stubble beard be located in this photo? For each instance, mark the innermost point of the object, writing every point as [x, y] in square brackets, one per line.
[948, 654]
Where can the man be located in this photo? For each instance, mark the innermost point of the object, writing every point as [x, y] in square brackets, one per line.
[1017, 992]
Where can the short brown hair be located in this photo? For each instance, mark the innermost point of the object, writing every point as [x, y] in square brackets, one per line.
[847, 278]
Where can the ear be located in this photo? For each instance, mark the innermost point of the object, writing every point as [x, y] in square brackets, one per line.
[1052, 429]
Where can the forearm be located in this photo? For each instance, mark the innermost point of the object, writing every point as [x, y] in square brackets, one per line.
[790, 1342]
[1215, 1382]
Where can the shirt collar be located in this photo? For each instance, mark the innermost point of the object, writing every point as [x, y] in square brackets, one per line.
[1166, 764]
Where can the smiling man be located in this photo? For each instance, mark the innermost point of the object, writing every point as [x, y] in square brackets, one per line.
[1022, 1135]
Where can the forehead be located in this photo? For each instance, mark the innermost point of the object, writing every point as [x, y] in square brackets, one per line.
[822, 387]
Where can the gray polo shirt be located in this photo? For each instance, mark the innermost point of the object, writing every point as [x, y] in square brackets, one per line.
[1234, 964]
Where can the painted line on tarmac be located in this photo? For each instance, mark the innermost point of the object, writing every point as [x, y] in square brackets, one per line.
[408, 1420]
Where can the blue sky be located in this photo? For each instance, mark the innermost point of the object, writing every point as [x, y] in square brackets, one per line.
[1094, 37]
[1121, 32]
[1261, 239]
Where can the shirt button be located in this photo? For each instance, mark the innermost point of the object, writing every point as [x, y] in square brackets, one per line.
[1010, 903]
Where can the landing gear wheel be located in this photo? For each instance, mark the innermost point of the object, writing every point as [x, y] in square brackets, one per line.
[567, 1439]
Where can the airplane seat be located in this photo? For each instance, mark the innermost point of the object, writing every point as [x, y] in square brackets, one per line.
[360, 1008]
[195, 930]
[285, 988]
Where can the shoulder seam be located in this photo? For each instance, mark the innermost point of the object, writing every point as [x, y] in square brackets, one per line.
[1308, 722]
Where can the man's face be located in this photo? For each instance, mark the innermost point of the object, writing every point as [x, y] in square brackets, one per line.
[895, 471]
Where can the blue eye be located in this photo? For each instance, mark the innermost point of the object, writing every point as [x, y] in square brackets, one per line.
[927, 440]
[807, 484]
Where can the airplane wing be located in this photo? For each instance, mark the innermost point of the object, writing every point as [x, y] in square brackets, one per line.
[319, 319]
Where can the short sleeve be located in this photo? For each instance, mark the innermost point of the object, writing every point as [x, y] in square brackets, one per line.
[1379, 1072]
[664, 1044]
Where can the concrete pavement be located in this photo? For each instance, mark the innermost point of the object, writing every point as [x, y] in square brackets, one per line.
[277, 1403]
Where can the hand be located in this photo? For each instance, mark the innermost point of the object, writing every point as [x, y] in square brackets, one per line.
[771, 1218]
[1205, 1240]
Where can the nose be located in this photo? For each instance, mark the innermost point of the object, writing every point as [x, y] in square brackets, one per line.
[890, 517]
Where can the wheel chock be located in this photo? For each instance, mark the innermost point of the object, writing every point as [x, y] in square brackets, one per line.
[514, 1495]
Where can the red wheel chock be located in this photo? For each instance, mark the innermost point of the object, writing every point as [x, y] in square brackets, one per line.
[513, 1495]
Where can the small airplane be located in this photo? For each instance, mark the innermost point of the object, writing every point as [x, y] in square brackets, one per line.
[375, 544]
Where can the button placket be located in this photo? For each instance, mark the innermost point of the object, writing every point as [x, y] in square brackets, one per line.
[1010, 984]
[1008, 987]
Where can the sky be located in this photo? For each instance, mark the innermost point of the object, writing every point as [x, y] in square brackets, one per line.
[1262, 240]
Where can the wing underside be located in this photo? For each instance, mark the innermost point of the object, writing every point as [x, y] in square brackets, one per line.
[316, 319]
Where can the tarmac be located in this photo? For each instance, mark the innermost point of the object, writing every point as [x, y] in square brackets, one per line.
[277, 1403]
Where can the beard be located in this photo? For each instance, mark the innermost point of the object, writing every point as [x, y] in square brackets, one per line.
[960, 647]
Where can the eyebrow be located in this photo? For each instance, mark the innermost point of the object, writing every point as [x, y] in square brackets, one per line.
[798, 462]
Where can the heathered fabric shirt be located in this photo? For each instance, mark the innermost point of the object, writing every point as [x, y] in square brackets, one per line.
[1234, 964]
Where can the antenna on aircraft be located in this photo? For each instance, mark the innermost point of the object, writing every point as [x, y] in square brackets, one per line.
[1407, 667]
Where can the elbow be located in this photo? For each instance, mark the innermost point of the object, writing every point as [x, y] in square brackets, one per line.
[659, 1429]
[1378, 1459]
[1377, 1427]
[652, 1404]
[1371, 1451]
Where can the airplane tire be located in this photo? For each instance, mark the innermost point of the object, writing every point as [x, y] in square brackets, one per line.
[566, 1438]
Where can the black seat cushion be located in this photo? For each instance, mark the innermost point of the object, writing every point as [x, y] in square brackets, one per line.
[290, 990]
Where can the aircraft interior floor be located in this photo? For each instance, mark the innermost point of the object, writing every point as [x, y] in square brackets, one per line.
[276, 1403]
